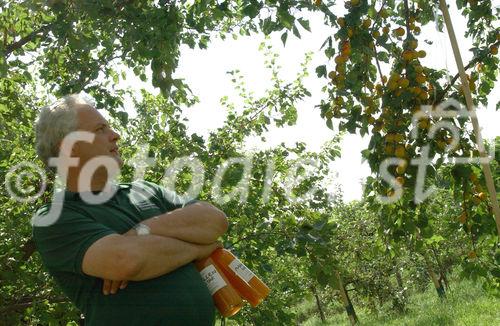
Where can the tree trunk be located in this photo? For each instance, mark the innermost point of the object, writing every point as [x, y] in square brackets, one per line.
[318, 304]
[401, 299]
[349, 308]
[435, 280]
[442, 271]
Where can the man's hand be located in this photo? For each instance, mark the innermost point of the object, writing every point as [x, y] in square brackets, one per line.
[206, 250]
[199, 223]
[112, 287]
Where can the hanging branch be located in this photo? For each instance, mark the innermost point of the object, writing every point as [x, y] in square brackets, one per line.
[407, 21]
[469, 65]
[375, 25]
[490, 185]
[28, 38]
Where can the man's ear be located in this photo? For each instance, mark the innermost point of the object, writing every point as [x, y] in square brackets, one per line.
[74, 149]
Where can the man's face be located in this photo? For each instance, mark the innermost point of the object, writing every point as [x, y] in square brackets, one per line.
[105, 141]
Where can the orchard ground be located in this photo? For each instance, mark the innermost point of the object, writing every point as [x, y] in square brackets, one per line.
[466, 304]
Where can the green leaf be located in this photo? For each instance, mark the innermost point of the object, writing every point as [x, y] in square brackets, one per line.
[321, 71]
[123, 117]
[329, 123]
[286, 19]
[305, 24]
[252, 10]
[434, 239]
[284, 37]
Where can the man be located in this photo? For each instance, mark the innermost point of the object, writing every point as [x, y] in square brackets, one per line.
[129, 260]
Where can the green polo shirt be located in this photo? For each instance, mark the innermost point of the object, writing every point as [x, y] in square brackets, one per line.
[177, 298]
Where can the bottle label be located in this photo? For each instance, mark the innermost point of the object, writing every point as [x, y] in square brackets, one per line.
[241, 270]
[212, 279]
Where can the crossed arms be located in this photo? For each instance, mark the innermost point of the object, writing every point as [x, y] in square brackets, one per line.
[177, 238]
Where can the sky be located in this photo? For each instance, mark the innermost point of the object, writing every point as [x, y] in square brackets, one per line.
[205, 72]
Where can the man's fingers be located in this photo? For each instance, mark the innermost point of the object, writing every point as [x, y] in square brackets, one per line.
[123, 285]
[206, 250]
[106, 287]
[115, 285]
[112, 287]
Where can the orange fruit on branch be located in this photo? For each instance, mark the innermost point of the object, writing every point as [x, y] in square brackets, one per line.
[421, 54]
[494, 49]
[400, 31]
[367, 23]
[423, 124]
[389, 138]
[404, 83]
[340, 59]
[423, 96]
[420, 78]
[462, 218]
[419, 69]
[408, 55]
[401, 169]
[399, 138]
[413, 44]
[400, 151]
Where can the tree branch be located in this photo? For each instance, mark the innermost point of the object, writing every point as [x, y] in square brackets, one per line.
[375, 25]
[467, 67]
[28, 38]
[407, 20]
[378, 65]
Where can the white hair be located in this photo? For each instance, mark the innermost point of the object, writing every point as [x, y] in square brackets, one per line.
[55, 122]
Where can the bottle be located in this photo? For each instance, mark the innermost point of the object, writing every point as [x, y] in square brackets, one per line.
[226, 299]
[248, 285]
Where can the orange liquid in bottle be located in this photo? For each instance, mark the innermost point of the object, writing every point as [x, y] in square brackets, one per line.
[248, 285]
[226, 299]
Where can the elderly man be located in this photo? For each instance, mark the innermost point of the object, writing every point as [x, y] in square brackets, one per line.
[127, 261]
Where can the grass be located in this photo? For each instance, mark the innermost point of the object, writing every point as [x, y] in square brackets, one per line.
[465, 305]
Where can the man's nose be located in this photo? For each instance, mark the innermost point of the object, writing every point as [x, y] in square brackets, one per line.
[114, 135]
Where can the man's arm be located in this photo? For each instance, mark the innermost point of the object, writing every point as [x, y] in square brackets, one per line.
[198, 223]
[137, 258]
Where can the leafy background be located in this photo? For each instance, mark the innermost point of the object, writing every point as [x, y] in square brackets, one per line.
[356, 255]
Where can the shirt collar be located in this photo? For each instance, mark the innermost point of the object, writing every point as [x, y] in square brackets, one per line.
[75, 196]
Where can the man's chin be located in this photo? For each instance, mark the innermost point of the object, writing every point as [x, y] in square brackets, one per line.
[119, 160]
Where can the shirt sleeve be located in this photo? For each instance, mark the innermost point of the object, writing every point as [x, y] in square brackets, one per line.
[63, 244]
[169, 198]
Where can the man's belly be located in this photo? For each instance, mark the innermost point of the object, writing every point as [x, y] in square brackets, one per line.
[178, 298]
